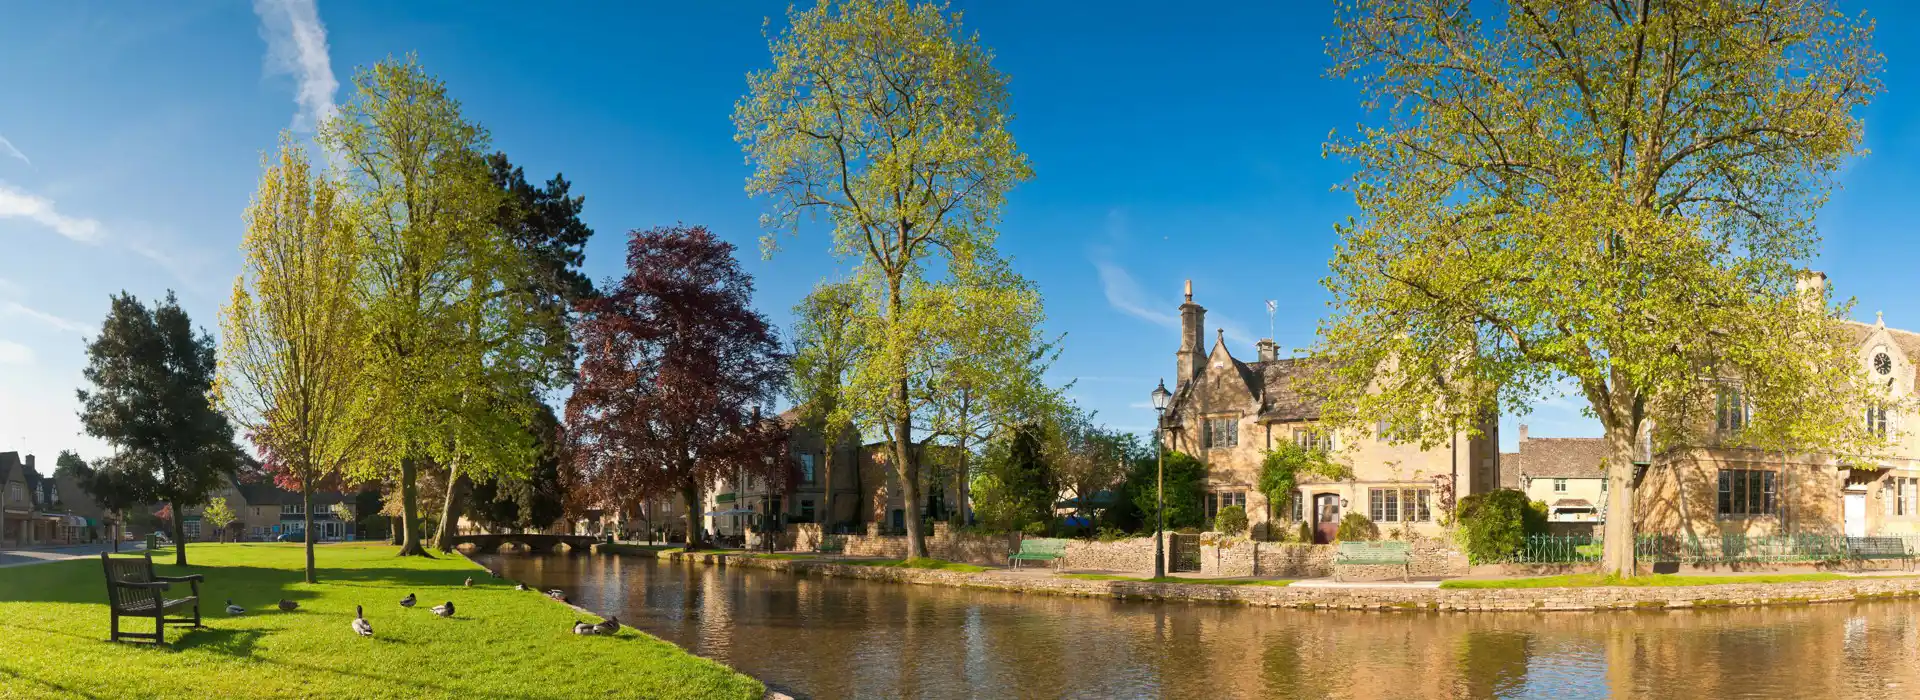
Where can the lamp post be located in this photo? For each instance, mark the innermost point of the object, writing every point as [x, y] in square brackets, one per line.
[1160, 397]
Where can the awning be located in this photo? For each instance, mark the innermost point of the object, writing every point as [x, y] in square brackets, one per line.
[736, 511]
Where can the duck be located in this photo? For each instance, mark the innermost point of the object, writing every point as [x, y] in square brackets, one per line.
[583, 628]
[519, 586]
[235, 609]
[469, 582]
[408, 601]
[558, 595]
[444, 610]
[611, 626]
[360, 624]
[288, 605]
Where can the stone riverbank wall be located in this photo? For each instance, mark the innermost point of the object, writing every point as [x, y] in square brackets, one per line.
[1380, 598]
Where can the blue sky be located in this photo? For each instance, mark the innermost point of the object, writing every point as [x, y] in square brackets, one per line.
[1166, 146]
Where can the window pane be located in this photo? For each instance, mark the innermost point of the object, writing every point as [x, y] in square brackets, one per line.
[1374, 501]
[1726, 492]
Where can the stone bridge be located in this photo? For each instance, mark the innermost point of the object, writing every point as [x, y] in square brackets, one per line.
[531, 540]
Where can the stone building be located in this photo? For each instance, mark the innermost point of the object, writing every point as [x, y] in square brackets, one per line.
[264, 511]
[1708, 490]
[1228, 413]
[1566, 474]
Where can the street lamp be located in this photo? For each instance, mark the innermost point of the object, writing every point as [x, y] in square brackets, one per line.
[1160, 398]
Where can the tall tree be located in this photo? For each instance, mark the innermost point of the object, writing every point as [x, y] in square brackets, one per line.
[296, 344]
[456, 342]
[1017, 482]
[827, 344]
[1613, 195]
[69, 463]
[152, 399]
[1088, 458]
[892, 121]
[532, 502]
[675, 360]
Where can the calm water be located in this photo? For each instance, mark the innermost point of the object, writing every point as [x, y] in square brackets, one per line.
[836, 638]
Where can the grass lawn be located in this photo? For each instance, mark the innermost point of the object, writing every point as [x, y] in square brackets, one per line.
[501, 643]
[922, 563]
[1276, 582]
[1591, 580]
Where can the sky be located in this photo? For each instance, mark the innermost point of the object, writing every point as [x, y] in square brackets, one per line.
[1166, 146]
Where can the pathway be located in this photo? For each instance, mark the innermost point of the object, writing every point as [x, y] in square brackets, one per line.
[43, 555]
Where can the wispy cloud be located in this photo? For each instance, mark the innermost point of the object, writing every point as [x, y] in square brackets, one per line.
[297, 46]
[8, 148]
[1125, 295]
[12, 353]
[17, 204]
[14, 308]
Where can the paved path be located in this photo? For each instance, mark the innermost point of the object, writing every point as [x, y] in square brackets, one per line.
[29, 557]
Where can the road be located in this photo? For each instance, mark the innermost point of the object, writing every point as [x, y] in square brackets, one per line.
[29, 557]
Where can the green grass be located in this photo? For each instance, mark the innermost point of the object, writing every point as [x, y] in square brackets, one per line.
[1656, 580]
[501, 643]
[1180, 579]
[785, 556]
[922, 563]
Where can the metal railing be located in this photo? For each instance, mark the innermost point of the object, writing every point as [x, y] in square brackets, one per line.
[1576, 549]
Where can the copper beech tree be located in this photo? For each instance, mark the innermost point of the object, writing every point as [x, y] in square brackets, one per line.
[675, 363]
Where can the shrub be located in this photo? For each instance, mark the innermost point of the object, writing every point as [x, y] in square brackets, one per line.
[1035, 529]
[1494, 525]
[1356, 527]
[1305, 535]
[1231, 520]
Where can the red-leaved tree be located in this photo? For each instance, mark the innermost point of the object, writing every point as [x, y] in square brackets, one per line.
[674, 361]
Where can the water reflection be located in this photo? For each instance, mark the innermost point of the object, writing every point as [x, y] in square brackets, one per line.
[835, 638]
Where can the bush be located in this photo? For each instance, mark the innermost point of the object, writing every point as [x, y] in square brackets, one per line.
[1231, 520]
[1305, 535]
[1035, 529]
[1357, 528]
[1494, 525]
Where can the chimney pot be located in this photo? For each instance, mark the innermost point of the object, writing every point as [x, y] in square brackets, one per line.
[1523, 432]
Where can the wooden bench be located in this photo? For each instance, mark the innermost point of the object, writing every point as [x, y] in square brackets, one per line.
[134, 591]
[1868, 548]
[1040, 549]
[1387, 553]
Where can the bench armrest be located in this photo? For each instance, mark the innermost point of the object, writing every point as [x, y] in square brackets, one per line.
[196, 578]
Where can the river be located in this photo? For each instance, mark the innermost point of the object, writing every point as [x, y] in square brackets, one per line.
[824, 638]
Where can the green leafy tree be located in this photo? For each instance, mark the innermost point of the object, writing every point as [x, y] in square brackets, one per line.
[1603, 194]
[827, 345]
[1017, 483]
[457, 346]
[529, 503]
[219, 515]
[890, 121]
[1186, 490]
[296, 345]
[69, 464]
[1281, 469]
[152, 399]
[1089, 459]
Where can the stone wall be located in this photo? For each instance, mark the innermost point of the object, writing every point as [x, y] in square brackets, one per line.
[1134, 554]
[1283, 560]
[942, 543]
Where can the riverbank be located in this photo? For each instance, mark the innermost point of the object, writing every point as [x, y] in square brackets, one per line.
[1384, 596]
[500, 642]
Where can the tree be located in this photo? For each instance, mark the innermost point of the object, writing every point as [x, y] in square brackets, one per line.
[1186, 490]
[118, 486]
[530, 503]
[1017, 483]
[296, 344]
[826, 346]
[892, 122]
[456, 334]
[152, 399]
[219, 515]
[1281, 469]
[69, 464]
[1607, 194]
[675, 360]
[1089, 459]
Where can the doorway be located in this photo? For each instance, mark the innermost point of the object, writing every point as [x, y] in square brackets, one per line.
[1855, 511]
[1326, 517]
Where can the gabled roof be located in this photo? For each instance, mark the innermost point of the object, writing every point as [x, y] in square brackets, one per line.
[1509, 470]
[1284, 394]
[1907, 341]
[1563, 458]
[266, 494]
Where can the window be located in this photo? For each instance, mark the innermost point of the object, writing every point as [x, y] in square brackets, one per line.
[1216, 501]
[1313, 440]
[1746, 492]
[1400, 505]
[1731, 411]
[16, 493]
[1903, 496]
[1559, 485]
[292, 509]
[1223, 432]
[1297, 504]
[1877, 421]
[806, 468]
[193, 529]
[806, 511]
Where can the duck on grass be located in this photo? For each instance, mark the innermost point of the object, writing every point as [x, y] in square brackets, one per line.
[347, 640]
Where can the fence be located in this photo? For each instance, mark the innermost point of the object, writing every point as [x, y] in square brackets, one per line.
[1575, 549]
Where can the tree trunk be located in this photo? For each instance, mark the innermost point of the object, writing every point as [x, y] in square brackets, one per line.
[457, 483]
[961, 490]
[179, 534]
[826, 519]
[909, 487]
[306, 506]
[1617, 553]
[409, 511]
[691, 492]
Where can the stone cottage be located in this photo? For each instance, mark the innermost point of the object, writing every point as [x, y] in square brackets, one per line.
[1228, 413]
[1566, 474]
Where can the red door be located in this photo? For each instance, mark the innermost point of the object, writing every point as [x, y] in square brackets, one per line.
[1326, 517]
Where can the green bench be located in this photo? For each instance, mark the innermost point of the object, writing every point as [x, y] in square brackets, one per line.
[1039, 549]
[1866, 548]
[833, 545]
[1387, 553]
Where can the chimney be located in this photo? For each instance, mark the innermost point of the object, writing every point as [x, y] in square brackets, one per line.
[1523, 432]
[1193, 351]
[1811, 286]
[1268, 350]
[29, 462]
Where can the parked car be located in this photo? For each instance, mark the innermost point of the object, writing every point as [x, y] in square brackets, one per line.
[295, 536]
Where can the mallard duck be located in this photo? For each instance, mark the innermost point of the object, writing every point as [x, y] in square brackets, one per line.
[408, 601]
[584, 628]
[444, 610]
[469, 582]
[609, 627]
[235, 609]
[288, 605]
[519, 586]
[558, 595]
[360, 624]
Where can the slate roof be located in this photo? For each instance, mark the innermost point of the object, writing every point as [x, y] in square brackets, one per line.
[1908, 341]
[1509, 470]
[1284, 392]
[266, 494]
[1563, 457]
[7, 462]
